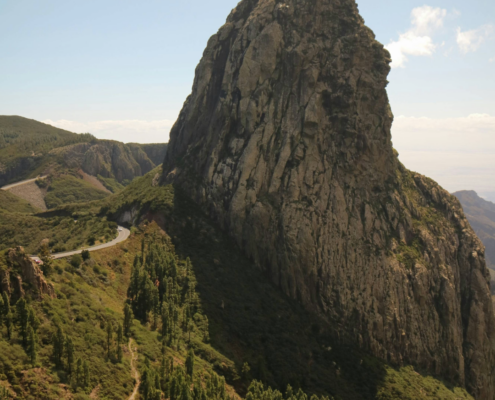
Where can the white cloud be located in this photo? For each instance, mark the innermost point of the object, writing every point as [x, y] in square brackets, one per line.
[138, 131]
[417, 40]
[470, 41]
[492, 59]
[426, 19]
[459, 153]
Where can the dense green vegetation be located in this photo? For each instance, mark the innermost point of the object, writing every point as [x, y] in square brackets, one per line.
[11, 203]
[63, 233]
[68, 189]
[111, 184]
[70, 344]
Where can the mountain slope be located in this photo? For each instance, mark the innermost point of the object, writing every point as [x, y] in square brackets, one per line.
[285, 142]
[253, 321]
[29, 148]
[481, 216]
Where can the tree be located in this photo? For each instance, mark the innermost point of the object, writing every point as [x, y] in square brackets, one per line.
[86, 377]
[120, 339]
[190, 362]
[245, 371]
[128, 317]
[79, 373]
[76, 260]
[86, 255]
[9, 323]
[69, 350]
[45, 256]
[33, 320]
[109, 338]
[165, 322]
[58, 341]
[23, 319]
[32, 348]
[2, 307]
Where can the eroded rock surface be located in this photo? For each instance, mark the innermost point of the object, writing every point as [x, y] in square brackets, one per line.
[23, 269]
[285, 141]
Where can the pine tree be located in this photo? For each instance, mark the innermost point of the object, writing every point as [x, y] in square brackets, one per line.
[23, 319]
[190, 363]
[9, 322]
[45, 256]
[79, 373]
[128, 317]
[120, 339]
[69, 350]
[86, 377]
[33, 320]
[32, 345]
[1, 312]
[58, 341]
[109, 338]
[245, 371]
[165, 319]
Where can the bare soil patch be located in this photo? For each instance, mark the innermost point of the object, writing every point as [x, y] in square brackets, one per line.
[93, 180]
[31, 193]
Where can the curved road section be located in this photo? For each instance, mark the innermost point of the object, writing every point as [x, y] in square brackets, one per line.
[123, 235]
[13, 185]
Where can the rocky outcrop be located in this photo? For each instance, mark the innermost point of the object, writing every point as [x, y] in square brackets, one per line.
[481, 216]
[155, 151]
[23, 269]
[285, 141]
[107, 158]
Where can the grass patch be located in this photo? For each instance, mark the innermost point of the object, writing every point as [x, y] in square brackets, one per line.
[11, 203]
[68, 189]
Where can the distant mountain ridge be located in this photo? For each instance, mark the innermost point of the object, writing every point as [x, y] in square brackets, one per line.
[29, 148]
[481, 216]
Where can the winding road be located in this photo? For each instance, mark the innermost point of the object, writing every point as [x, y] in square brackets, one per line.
[13, 185]
[134, 371]
[123, 235]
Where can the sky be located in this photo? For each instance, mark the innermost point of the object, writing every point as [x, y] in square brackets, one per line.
[121, 69]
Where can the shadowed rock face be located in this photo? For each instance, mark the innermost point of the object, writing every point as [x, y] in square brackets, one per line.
[285, 141]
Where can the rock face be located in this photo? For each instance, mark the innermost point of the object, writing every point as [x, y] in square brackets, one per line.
[23, 269]
[481, 216]
[285, 141]
[107, 158]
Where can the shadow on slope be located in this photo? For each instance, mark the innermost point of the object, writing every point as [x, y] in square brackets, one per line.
[252, 321]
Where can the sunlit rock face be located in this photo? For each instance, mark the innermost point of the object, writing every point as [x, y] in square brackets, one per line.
[285, 142]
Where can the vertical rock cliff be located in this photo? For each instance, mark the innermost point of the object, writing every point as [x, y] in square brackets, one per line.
[285, 141]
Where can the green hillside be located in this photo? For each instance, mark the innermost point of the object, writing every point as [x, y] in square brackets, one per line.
[30, 148]
[63, 233]
[68, 189]
[194, 297]
[22, 137]
[11, 204]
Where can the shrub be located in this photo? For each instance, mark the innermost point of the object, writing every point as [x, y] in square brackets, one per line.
[76, 260]
[85, 255]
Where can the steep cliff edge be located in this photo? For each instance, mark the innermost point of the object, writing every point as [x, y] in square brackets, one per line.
[285, 141]
[481, 216]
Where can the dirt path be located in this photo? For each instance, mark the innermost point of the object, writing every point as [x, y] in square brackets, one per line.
[134, 371]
